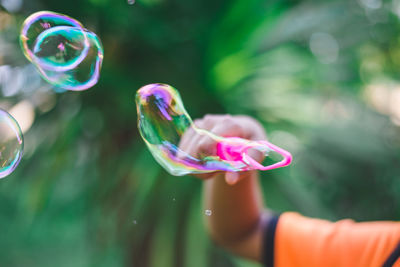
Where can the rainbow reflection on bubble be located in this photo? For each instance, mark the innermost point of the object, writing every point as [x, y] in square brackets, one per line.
[163, 120]
[11, 144]
[65, 53]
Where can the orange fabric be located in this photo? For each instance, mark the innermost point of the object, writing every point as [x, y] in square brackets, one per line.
[302, 241]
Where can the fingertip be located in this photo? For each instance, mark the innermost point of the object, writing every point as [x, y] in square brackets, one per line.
[231, 178]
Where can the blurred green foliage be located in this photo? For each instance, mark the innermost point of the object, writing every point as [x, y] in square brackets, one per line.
[323, 78]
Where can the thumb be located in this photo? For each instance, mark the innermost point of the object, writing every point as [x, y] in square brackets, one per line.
[231, 178]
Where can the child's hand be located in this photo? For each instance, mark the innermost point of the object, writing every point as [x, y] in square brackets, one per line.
[227, 126]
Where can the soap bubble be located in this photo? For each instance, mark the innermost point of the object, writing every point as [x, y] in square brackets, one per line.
[87, 72]
[11, 144]
[162, 121]
[208, 212]
[65, 53]
[37, 24]
[61, 48]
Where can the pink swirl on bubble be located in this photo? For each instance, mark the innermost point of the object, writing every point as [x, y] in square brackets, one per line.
[236, 149]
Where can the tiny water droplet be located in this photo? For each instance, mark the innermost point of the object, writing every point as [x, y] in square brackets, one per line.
[131, 2]
[208, 212]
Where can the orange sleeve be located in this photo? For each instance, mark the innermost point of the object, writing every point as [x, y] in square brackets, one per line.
[302, 241]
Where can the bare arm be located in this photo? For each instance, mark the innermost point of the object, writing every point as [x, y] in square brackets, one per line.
[237, 221]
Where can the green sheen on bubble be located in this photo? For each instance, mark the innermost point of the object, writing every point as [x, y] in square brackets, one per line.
[162, 123]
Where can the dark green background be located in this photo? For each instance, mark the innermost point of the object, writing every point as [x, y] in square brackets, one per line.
[88, 192]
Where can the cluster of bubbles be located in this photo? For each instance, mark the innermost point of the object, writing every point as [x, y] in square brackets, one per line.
[163, 120]
[65, 53]
[11, 144]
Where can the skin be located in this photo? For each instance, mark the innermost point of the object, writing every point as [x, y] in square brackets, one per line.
[238, 220]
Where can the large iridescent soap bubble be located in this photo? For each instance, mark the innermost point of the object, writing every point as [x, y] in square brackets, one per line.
[11, 144]
[163, 120]
[65, 53]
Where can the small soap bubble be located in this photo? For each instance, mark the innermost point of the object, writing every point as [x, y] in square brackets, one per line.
[163, 123]
[131, 2]
[11, 144]
[65, 53]
[60, 48]
[134, 222]
[35, 27]
[208, 212]
[85, 74]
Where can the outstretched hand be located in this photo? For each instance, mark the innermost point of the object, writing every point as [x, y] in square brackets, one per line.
[227, 126]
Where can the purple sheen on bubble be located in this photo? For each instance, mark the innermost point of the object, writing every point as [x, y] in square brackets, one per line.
[163, 122]
[11, 144]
